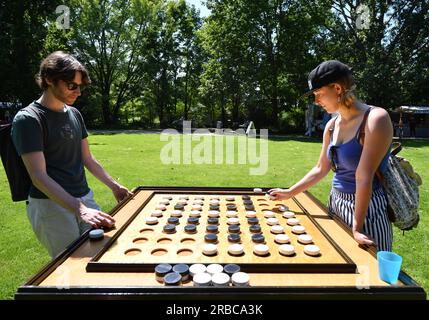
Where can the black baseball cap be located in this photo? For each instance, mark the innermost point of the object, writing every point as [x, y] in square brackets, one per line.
[325, 73]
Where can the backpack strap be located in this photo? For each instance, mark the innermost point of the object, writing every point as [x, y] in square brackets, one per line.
[34, 111]
[360, 135]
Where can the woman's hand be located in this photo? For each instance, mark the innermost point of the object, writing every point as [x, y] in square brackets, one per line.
[363, 239]
[280, 194]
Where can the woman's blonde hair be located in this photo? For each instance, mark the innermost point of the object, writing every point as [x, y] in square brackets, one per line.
[348, 96]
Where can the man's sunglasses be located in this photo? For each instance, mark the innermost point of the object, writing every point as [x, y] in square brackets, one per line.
[72, 85]
[332, 156]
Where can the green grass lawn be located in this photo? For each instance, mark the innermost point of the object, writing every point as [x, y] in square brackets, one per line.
[134, 159]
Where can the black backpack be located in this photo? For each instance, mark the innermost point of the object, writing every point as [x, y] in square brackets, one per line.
[17, 175]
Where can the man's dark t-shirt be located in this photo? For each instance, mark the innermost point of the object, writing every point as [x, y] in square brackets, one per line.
[62, 149]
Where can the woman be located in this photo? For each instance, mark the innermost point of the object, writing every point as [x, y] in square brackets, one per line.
[356, 196]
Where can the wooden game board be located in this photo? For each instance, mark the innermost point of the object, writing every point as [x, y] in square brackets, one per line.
[138, 246]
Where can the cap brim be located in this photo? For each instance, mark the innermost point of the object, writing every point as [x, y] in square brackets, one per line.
[304, 95]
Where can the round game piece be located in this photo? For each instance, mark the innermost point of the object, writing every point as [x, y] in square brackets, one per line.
[282, 238]
[193, 220]
[169, 228]
[210, 249]
[258, 238]
[269, 214]
[213, 214]
[257, 190]
[305, 238]
[245, 197]
[272, 221]
[250, 214]
[287, 249]
[190, 228]
[183, 197]
[252, 221]
[167, 197]
[196, 207]
[182, 202]
[214, 207]
[312, 250]
[288, 214]
[235, 249]
[232, 214]
[96, 234]
[151, 220]
[249, 207]
[161, 270]
[179, 206]
[199, 197]
[298, 229]
[164, 201]
[160, 207]
[172, 279]
[213, 221]
[173, 220]
[156, 213]
[214, 268]
[256, 228]
[233, 221]
[197, 268]
[283, 208]
[212, 228]
[292, 221]
[176, 213]
[231, 268]
[240, 279]
[195, 213]
[247, 202]
[214, 202]
[183, 270]
[200, 202]
[234, 237]
[215, 198]
[231, 207]
[210, 237]
[277, 229]
[220, 279]
[234, 228]
[203, 279]
[230, 198]
[261, 250]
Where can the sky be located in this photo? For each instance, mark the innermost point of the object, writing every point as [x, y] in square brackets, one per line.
[204, 12]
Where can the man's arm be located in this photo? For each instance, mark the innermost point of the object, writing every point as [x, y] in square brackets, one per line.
[120, 192]
[36, 167]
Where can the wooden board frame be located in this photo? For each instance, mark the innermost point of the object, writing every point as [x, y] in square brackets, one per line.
[347, 267]
[33, 290]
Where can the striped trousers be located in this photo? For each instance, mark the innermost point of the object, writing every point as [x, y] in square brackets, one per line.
[377, 224]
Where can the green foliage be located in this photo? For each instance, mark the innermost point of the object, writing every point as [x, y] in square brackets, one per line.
[248, 59]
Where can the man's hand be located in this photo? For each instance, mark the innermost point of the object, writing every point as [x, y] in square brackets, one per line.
[120, 192]
[279, 194]
[96, 218]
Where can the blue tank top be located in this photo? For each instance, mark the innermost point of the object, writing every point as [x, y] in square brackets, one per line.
[346, 158]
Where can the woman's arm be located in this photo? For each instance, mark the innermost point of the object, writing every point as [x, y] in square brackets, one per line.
[316, 174]
[378, 138]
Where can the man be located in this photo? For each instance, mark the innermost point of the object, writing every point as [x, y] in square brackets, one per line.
[52, 140]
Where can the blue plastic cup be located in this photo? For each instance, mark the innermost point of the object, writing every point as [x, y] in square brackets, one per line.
[389, 266]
